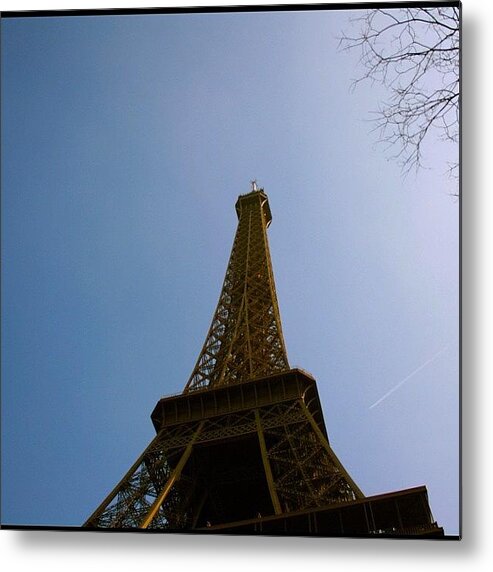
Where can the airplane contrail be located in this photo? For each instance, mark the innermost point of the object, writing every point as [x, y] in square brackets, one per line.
[396, 387]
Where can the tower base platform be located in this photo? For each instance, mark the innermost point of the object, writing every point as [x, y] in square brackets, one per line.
[399, 514]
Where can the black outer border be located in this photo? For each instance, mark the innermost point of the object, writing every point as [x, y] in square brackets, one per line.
[204, 533]
[222, 9]
[276, 8]
[460, 272]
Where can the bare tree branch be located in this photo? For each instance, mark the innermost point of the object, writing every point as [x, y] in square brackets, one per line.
[414, 52]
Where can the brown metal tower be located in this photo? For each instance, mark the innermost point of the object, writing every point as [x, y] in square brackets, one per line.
[244, 448]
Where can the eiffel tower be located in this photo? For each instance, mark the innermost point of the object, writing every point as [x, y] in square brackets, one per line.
[244, 448]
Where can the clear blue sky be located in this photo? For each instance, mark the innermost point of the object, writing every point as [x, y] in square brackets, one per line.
[125, 142]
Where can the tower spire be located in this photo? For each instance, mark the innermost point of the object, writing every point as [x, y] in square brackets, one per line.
[245, 338]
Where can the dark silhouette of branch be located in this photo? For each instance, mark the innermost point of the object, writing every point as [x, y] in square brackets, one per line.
[414, 52]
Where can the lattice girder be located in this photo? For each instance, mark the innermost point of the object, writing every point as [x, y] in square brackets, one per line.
[245, 338]
[245, 444]
[304, 472]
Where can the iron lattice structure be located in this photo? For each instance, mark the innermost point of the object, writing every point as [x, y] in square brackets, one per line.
[246, 439]
[245, 338]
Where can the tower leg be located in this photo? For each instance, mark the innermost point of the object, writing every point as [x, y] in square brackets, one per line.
[268, 471]
[175, 475]
[199, 508]
[93, 519]
[328, 448]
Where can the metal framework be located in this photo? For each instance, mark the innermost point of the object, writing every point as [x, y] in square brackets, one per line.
[289, 464]
[245, 338]
[246, 439]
